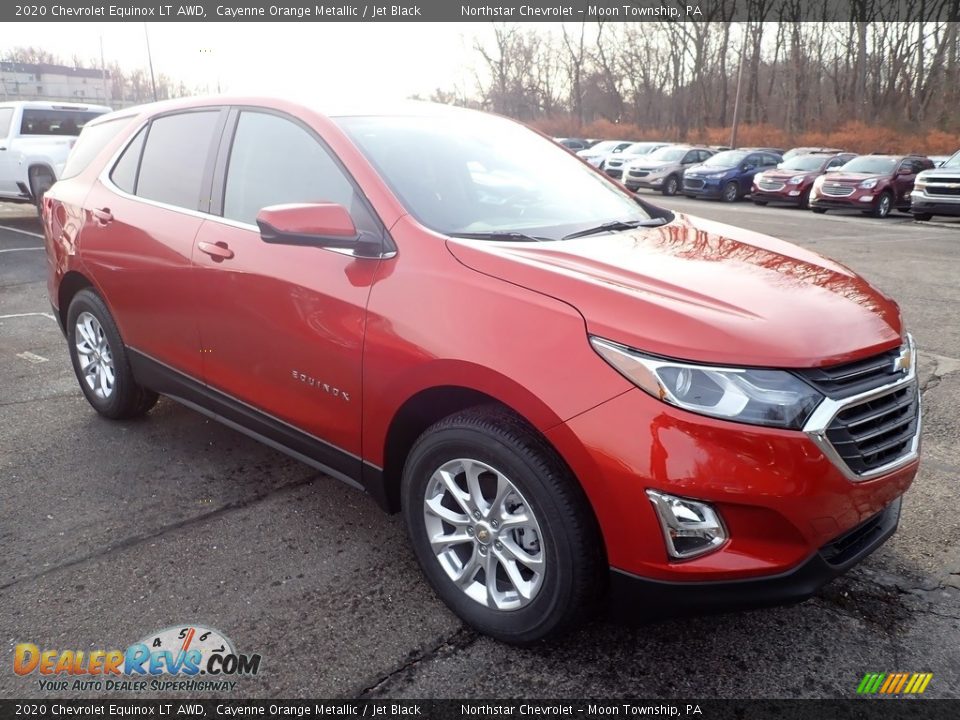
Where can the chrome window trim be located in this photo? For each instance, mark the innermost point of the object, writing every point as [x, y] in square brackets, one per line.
[825, 413]
[107, 182]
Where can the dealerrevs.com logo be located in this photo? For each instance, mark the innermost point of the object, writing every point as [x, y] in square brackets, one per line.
[189, 658]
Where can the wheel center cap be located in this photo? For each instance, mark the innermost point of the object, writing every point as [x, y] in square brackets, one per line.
[484, 533]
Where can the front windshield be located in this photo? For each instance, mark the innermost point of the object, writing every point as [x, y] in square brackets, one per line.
[641, 148]
[953, 162]
[478, 173]
[671, 154]
[873, 165]
[605, 146]
[807, 163]
[728, 158]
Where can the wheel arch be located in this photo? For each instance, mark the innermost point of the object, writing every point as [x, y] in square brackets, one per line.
[34, 167]
[72, 282]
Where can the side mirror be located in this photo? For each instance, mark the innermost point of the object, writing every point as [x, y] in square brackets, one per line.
[747, 167]
[904, 171]
[313, 225]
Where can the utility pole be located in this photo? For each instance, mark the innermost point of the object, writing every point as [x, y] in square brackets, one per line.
[736, 100]
[103, 73]
[153, 80]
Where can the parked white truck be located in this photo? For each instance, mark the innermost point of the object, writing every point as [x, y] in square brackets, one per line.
[35, 139]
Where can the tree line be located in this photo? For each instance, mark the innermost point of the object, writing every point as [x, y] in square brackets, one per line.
[680, 78]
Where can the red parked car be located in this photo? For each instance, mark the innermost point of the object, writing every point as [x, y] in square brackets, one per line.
[873, 184]
[792, 179]
[570, 393]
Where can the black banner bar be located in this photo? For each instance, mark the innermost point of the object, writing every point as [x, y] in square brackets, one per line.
[853, 709]
[474, 11]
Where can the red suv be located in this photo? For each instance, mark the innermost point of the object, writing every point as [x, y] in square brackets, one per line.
[792, 179]
[568, 392]
[873, 184]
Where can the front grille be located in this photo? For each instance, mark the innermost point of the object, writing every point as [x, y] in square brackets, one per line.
[638, 173]
[771, 185]
[693, 183]
[837, 190]
[939, 187]
[849, 379]
[876, 432]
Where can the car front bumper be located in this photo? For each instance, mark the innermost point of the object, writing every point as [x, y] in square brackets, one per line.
[791, 195]
[711, 189]
[924, 204]
[640, 598]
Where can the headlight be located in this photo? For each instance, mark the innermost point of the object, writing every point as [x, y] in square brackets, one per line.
[714, 176]
[867, 184]
[920, 183]
[749, 395]
[796, 180]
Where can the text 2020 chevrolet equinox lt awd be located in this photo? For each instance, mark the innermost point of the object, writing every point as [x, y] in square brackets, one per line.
[569, 393]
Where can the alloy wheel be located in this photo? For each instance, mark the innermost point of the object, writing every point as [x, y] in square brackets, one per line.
[730, 192]
[484, 534]
[96, 358]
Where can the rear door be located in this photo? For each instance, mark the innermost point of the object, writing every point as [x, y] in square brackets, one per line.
[903, 184]
[8, 167]
[282, 326]
[141, 219]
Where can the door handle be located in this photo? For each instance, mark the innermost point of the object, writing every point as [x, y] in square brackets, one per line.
[102, 215]
[218, 251]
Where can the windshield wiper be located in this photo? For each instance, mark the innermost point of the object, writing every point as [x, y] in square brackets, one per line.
[614, 226]
[501, 235]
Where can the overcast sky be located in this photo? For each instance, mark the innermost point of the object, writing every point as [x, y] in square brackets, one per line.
[387, 60]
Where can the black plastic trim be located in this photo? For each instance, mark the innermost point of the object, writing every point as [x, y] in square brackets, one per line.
[259, 425]
[639, 599]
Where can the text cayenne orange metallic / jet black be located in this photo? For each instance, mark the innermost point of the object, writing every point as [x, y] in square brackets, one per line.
[568, 392]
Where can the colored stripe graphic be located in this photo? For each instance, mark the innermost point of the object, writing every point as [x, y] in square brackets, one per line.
[894, 683]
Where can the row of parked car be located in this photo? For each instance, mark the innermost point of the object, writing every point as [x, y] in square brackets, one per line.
[816, 178]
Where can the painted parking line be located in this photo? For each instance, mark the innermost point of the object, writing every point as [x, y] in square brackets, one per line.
[22, 232]
[20, 249]
[29, 314]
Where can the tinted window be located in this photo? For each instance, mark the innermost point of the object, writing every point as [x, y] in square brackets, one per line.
[691, 157]
[171, 170]
[6, 115]
[91, 141]
[275, 161]
[770, 160]
[124, 174]
[55, 122]
[836, 162]
[752, 160]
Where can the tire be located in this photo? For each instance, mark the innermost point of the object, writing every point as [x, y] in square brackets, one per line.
[90, 324]
[819, 211]
[761, 203]
[41, 180]
[539, 600]
[922, 217]
[671, 186]
[804, 203]
[730, 193]
[884, 205]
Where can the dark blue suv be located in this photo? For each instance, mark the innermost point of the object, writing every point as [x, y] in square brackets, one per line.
[728, 175]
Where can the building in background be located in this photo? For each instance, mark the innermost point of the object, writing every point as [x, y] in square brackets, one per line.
[43, 81]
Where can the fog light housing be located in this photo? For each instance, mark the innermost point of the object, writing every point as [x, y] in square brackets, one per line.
[690, 528]
[867, 198]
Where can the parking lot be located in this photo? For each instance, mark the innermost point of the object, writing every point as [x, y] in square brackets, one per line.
[112, 531]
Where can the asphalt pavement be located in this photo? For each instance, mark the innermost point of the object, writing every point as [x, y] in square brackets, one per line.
[111, 531]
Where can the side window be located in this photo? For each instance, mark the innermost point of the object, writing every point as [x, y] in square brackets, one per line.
[752, 160]
[171, 170]
[770, 160]
[836, 162]
[690, 157]
[124, 173]
[273, 161]
[92, 140]
[705, 155]
[908, 164]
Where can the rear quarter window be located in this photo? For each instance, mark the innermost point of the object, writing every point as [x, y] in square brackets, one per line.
[92, 140]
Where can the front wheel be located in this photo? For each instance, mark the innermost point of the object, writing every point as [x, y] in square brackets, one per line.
[100, 360]
[731, 192]
[500, 528]
[670, 186]
[884, 205]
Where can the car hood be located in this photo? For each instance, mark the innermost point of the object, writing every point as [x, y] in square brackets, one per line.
[786, 174]
[852, 177]
[703, 291]
[651, 164]
[704, 170]
[940, 172]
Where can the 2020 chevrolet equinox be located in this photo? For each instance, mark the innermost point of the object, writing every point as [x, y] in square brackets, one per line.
[571, 394]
